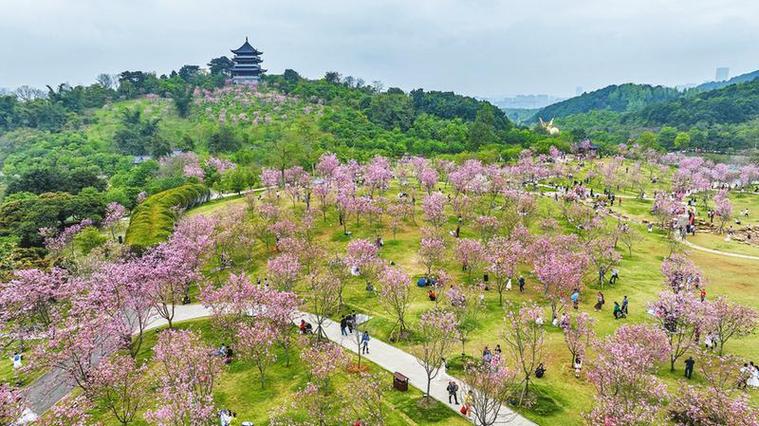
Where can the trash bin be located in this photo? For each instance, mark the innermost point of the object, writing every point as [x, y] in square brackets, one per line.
[400, 382]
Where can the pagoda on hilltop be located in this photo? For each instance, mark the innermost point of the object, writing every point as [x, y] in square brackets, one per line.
[247, 68]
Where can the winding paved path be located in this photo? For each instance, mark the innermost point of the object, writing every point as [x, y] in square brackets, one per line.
[50, 388]
[718, 252]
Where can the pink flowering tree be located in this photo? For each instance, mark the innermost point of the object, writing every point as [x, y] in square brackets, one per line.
[70, 411]
[362, 255]
[491, 385]
[322, 298]
[428, 178]
[433, 207]
[681, 274]
[30, 301]
[603, 255]
[698, 406]
[681, 316]
[731, 320]
[114, 212]
[436, 331]
[524, 336]
[559, 268]
[503, 255]
[364, 395]
[463, 304]
[255, 343]
[394, 293]
[723, 209]
[175, 264]
[11, 404]
[471, 254]
[187, 374]
[431, 251]
[627, 392]
[377, 174]
[578, 335]
[120, 387]
[323, 360]
[283, 271]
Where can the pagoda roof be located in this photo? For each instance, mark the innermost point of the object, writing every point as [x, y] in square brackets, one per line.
[246, 48]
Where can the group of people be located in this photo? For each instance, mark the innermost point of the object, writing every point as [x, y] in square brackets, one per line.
[348, 323]
[487, 354]
[225, 352]
[226, 416]
[453, 398]
[620, 311]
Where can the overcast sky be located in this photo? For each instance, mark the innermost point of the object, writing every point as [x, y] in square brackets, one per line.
[476, 47]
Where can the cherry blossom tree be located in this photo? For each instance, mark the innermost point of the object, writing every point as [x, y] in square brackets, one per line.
[255, 343]
[436, 329]
[29, 302]
[323, 360]
[11, 404]
[70, 411]
[364, 395]
[283, 271]
[578, 336]
[471, 255]
[394, 293]
[627, 390]
[723, 209]
[681, 274]
[559, 266]
[322, 297]
[732, 320]
[187, 375]
[681, 316]
[120, 387]
[503, 255]
[428, 178]
[362, 255]
[378, 174]
[603, 254]
[491, 384]
[524, 335]
[433, 207]
[114, 212]
[710, 406]
[465, 307]
[431, 251]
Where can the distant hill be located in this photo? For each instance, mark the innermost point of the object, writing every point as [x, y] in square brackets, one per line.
[618, 98]
[736, 103]
[713, 85]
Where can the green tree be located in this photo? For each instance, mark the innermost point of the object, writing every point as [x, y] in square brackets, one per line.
[220, 65]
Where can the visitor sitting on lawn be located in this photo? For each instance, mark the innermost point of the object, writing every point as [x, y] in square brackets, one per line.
[432, 295]
[540, 371]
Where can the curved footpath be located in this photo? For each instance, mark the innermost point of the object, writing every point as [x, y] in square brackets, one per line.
[50, 388]
[718, 252]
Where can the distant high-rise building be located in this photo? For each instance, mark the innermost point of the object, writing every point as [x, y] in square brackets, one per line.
[723, 73]
[579, 90]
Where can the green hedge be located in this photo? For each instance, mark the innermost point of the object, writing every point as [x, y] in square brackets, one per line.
[153, 220]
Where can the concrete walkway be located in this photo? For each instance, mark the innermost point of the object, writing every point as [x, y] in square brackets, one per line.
[718, 252]
[50, 388]
[393, 359]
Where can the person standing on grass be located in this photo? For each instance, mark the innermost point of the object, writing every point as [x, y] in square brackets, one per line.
[689, 363]
[521, 283]
[624, 305]
[599, 302]
[614, 276]
[453, 388]
[365, 342]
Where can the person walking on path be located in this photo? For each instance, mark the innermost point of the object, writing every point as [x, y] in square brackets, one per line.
[689, 363]
[521, 284]
[343, 326]
[453, 388]
[365, 342]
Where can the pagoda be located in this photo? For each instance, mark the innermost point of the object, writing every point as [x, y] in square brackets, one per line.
[247, 68]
